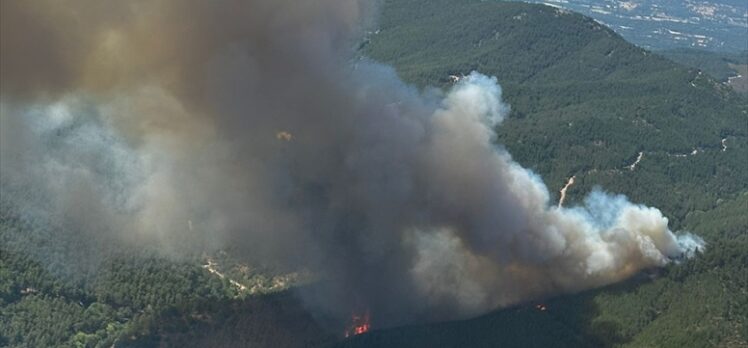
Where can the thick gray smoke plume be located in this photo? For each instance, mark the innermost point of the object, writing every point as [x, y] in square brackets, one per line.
[202, 124]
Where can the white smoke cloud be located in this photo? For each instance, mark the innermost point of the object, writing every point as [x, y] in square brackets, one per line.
[565, 249]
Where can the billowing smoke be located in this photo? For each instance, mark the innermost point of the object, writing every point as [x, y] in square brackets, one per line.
[197, 125]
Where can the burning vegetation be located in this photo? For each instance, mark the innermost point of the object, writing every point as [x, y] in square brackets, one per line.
[359, 324]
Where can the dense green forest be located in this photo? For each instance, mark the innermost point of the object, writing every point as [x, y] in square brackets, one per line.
[585, 103]
[714, 63]
[730, 68]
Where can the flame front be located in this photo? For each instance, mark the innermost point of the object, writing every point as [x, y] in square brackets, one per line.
[359, 324]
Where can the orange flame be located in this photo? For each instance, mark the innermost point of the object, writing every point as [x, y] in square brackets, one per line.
[359, 324]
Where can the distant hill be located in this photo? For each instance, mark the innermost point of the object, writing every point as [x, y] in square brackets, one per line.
[716, 64]
[716, 25]
[729, 68]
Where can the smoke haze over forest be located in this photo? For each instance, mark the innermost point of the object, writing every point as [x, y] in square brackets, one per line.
[197, 125]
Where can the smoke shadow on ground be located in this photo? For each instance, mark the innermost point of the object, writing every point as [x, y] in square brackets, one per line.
[565, 321]
[282, 320]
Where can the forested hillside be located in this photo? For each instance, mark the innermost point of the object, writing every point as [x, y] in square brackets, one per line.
[136, 298]
[730, 68]
[585, 103]
[714, 63]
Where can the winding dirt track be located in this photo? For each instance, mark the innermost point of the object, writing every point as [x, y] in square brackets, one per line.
[210, 266]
